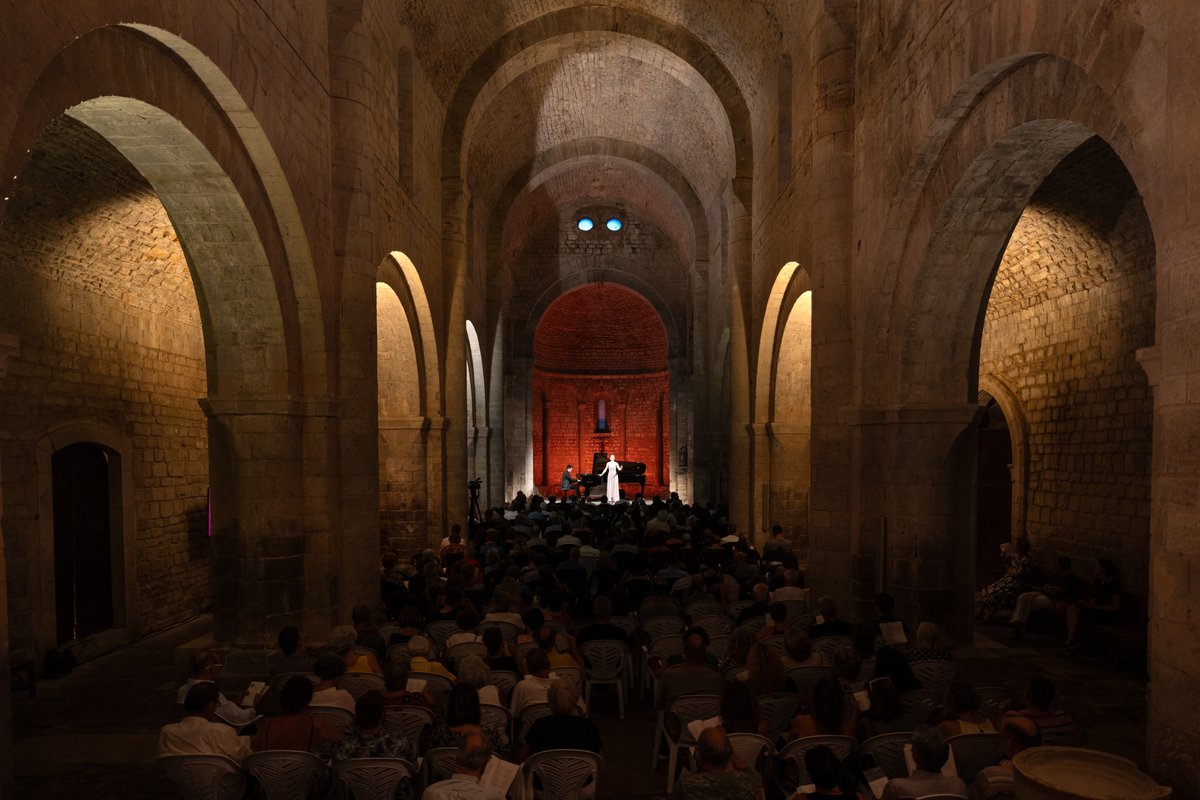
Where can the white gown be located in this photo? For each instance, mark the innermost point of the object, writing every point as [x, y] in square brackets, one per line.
[613, 491]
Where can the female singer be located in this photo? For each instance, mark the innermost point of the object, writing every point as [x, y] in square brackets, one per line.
[611, 469]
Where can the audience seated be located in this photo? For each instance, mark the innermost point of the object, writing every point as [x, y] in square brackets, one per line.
[468, 624]
[798, 650]
[295, 729]
[1062, 590]
[566, 728]
[962, 711]
[293, 657]
[885, 604]
[419, 651]
[502, 611]
[693, 676]
[329, 668]
[766, 675]
[829, 777]
[828, 716]
[342, 640]
[777, 614]
[498, 655]
[793, 587]
[997, 783]
[1105, 604]
[1003, 593]
[463, 719]
[830, 625]
[199, 733]
[397, 694]
[929, 752]
[719, 776]
[547, 639]
[1039, 702]
[891, 663]
[760, 607]
[371, 740]
[206, 668]
[474, 752]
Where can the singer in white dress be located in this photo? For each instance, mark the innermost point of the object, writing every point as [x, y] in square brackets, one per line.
[613, 491]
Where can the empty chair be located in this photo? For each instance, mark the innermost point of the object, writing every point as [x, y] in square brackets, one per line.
[205, 777]
[339, 718]
[408, 721]
[372, 778]
[918, 705]
[497, 717]
[792, 757]
[605, 662]
[683, 709]
[359, 683]
[755, 751]
[935, 675]
[438, 685]
[887, 750]
[562, 774]
[285, 774]
[974, 751]
[777, 710]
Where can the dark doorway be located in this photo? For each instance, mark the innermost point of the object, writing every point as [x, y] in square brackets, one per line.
[994, 494]
[83, 581]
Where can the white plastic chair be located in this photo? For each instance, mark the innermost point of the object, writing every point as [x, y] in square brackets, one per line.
[685, 709]
[828, 645]
[753, 625]
[497, 717]
[805, 678]
[605, 662]
[205, 777]
[777, 711]
[359, 683]
[372, 778]
[338, 717]
[887, 749]
[564, 774]
[974, 751]
[439, 631]
[918, 705]
[458, 652]
[439, 686]
[398, 652]
[935, 675]
[440, 763]
[661, 627]
[407, 721]
[505, 681]
[755, 751]
[714, 625]
[284, 774]
[507, 629]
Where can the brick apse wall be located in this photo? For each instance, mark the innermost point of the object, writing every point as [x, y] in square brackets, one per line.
[96, 287]
[600, 342]
[1072, 302]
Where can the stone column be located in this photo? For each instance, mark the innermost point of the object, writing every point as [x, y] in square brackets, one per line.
[9, 347]
[760, 466]
[453, 483]
[741, 478]
[258, 533]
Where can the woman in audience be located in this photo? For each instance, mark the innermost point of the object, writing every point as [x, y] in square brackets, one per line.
[342, 640]
[1002, 593]
[397, 694]
[371, 740]
[463, 719]
[410, 626]
[330, 667]
[928, 645]
[739, 710]
[474, 673]
[766, 674]
[798, 650]
[829, 777]
[566, 728]
[295, 729]
[891, 663]
[498, 655]
[829, 715]
[886, 713]
[962, 712]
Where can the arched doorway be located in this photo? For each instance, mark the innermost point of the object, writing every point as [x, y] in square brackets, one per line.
[994, 491]
[82, 486]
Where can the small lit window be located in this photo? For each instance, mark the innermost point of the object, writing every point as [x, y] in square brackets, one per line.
[586, 224]
[613, 224]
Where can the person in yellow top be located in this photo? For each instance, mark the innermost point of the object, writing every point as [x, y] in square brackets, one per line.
[419, 651]
[547, 639]
[342, 640]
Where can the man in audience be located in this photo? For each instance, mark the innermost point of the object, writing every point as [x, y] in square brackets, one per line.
[1039, 701]
[199, 733]
[419, 651]
[473, 756]
[777, 612]
[929, 752]
[759, 607]
[330, 667]
[206, 667]
[693, 676]
[792, 589]
[534, 687]
[996, 783]
[366, 634]
[602, 628]
[719, 776]
[294, 658]
[468, 625]
[829, 625]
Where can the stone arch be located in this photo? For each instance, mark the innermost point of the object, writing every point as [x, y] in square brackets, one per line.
[163, 103]
[122, 512]
[477, 410]
[470, 90]
[1018, 429]
[791, 282]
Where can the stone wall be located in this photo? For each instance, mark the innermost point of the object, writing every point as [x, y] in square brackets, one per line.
[1072, 302]
[97, 289]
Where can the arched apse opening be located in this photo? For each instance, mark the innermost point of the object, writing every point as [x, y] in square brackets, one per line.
[994, 527]
[411, 502]
[477, 429]
[782, 403]
[612, 396]
[106, 295]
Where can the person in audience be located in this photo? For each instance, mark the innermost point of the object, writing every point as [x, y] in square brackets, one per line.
[693, 676]
[367, 633]
[891, 663]
[963, 713]
[847, 665]
[928, 645]
[419, 651]
[776, 545]
[396, 677]
[409, 622]
[1003, 593]
[206, 668]
[330, 667]
[566, 728]
[828, 776]
[294, 658]
[498, 655]
[1062, 590]
[295, 728]
[474, 673]
[462, 719]
[760, 607]
[766, 675]
[342, 640]
[777, 613]
[738, 651]
[1039, 707]
[533, 687]
[792, 589]
[534, 619]
[1104, 605]
[998, 783]
[468, 628]
[739, 709]
[829, 715]
[474, 752]
[885, 604]
[602, 628]
[830, 624]
[929, 752]
[200, 733]
[547, 640]
[719, 775]
[371, 740]
[886, 713]
[798, 650]
[502, 610]
[452, 602]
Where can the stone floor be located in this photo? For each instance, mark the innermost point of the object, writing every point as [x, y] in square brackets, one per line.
[93, 733]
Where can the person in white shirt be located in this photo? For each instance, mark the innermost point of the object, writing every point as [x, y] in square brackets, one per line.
[473, 755]
[198, 734]
[206, 667]
[467, 621]
[330, 667]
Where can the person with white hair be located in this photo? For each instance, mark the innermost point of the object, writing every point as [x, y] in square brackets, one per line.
[566, 727]
[420, 650]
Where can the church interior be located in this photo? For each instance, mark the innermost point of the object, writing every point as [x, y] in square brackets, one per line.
[288, 286]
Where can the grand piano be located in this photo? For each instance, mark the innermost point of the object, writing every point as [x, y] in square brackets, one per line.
[630, 472]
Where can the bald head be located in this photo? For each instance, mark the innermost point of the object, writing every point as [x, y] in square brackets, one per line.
[473, 754]
[713, 750]
[694, 651]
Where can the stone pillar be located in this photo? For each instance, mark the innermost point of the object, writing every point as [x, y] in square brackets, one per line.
[258, 533]
[435, 475]
[741, 478]
[760, 466]
[454, 390]
[403, 474]
[9, 347]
